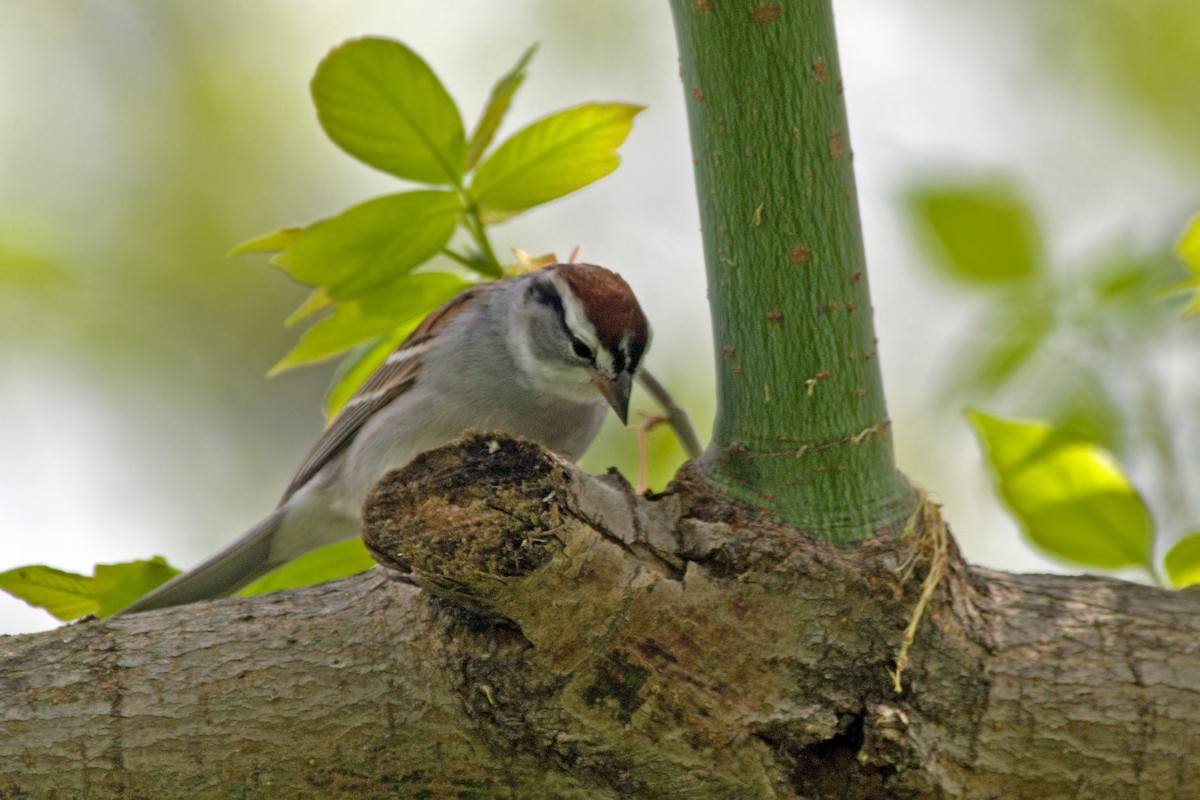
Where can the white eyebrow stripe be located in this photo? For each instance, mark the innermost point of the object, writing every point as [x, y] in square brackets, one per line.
[604, 360]
[624, 347]
[577, 322]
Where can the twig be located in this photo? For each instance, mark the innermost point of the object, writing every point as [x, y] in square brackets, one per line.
[676, 417]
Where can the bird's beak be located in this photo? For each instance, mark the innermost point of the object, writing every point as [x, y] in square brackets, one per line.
[616, 392]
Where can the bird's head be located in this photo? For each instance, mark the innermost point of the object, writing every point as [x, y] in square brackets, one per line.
[588, 332]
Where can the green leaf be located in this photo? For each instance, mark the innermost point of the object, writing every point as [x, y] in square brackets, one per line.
[338, 332]
[1182, 562]
[1188, 250]
[269, 243]
[979, 232]
[553, 157]
[1130, 282]
[1069, 496]
[1084, 408]
[382, 104]
[66, 595]
[411, 297]
[328, 563]
[998, 364]
[23, 270]
[401, 303]
[497, 107]
[372, 243]
[118, 585]
[1016, 335]
[317, 300]
[357, 366]
[1189, 245]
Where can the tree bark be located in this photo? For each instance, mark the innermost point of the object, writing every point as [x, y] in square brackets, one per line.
[576, 640]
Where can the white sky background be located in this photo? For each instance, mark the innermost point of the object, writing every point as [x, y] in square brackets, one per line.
[928, 85]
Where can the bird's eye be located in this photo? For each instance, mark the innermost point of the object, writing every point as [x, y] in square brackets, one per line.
[582, 350]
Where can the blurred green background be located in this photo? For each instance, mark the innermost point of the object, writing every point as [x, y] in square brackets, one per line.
[140, 141]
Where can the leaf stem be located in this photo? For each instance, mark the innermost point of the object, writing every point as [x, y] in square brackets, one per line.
[478, 230]
[459, 257]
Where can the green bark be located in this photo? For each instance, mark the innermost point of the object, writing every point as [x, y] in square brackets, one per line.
[802, 430]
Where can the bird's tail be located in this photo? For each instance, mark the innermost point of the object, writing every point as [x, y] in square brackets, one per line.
[236, 566]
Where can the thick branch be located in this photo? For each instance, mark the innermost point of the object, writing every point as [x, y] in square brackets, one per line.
[802, 430]
[615, 646]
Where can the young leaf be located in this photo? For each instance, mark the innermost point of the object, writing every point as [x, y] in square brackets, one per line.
[317, 300]
[340, 331]
[269, 243]
[64, 594]
[1085, 408]
[497, 107]
[372, 243]
[1188, 250]
[118, 585]
[327, 563]
[378, 101]
[553, 157]
[1069, 496]
[1189, 245]
[1016, 336]
[980, 233]
[1182, 563]
[411, 297]
[1132, 281]
[399, 304]
[28, 270]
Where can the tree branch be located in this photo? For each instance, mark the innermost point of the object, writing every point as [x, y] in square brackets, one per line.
[802, 430]
[614, 645]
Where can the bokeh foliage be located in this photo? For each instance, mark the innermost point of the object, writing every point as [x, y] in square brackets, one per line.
[1144, 55]
[1068, 345]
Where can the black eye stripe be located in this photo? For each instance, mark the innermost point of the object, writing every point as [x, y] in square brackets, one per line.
[582, 350]
[545, 293]
[618, 358]
[636, 348]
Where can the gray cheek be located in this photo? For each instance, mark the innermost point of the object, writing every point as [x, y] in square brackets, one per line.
[546, 338]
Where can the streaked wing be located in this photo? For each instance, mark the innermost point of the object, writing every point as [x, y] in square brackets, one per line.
[393, 378]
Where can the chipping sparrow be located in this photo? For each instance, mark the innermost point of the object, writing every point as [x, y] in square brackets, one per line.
[535, 356]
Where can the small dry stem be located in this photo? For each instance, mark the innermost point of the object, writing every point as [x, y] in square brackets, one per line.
[932, 545]
[652, 421]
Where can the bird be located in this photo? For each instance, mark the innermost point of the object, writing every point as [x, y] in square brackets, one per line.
[542, 355]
